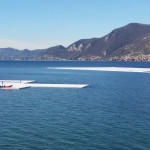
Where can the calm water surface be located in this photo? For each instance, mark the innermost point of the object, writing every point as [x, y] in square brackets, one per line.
[112, 113]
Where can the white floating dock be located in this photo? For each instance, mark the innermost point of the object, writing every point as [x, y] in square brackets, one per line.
[17, 84]
[17, 81]
[118, 69]
[57, 85]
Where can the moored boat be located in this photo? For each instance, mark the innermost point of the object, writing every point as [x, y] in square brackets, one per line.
[7, 86]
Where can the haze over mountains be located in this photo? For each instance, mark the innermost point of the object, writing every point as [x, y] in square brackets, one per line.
[128, 43]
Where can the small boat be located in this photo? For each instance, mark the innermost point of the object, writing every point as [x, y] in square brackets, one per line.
[7, 86]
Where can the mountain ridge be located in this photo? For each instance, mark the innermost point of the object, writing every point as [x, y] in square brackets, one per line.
[128, 43]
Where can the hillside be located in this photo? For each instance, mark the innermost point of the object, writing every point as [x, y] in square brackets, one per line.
[130, 42]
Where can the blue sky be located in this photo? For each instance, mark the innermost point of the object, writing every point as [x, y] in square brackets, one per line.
[44, 23]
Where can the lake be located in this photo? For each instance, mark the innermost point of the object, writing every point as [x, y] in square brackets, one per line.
[113, 112]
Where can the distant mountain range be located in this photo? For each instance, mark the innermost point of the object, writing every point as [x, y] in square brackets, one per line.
[128, 43]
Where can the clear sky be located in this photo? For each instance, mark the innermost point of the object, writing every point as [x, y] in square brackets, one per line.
[44, 23]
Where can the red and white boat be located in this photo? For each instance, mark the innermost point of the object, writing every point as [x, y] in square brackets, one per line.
[6, 86]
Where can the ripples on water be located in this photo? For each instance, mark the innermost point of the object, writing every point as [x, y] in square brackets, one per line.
[112, 113]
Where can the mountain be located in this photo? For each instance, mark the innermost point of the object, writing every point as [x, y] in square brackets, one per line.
[54, 53]
[114, 43]
[10, 53]
[7, 52]
[130, 42]
[139, 49]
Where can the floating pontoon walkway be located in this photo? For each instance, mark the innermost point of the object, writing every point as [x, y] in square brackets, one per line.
[17, 81]
[21, 84]
[117, 69]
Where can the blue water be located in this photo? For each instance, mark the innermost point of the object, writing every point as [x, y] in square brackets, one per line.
[113, 113]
